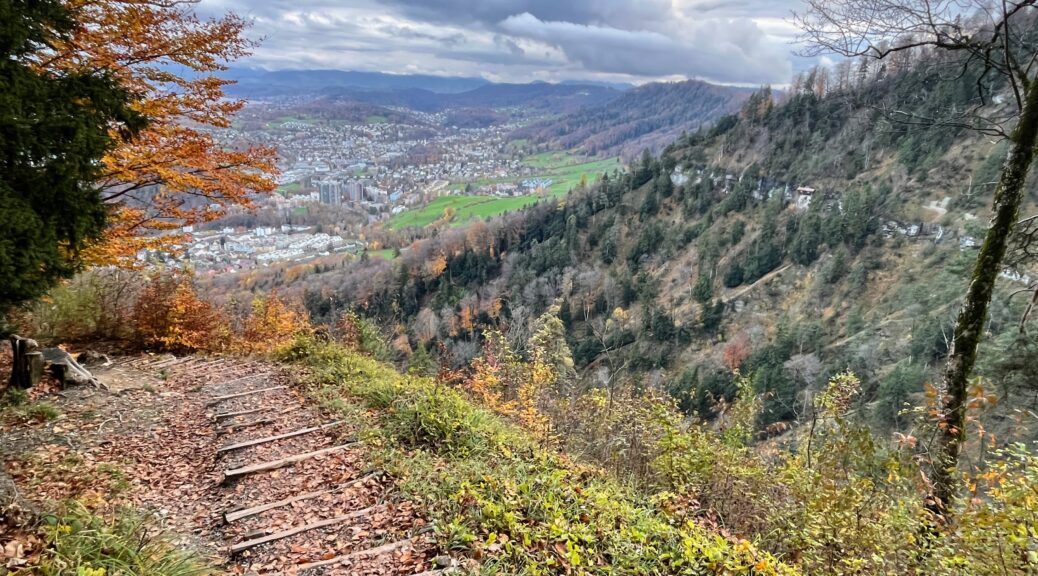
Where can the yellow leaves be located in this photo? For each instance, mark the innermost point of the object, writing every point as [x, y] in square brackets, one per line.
[170, 315]
[272, 324]
[434, 267]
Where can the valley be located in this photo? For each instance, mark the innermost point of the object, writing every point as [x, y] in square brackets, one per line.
[571, 289]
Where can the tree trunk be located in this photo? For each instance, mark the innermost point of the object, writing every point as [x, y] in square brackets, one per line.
[970, 324]
[27, 363]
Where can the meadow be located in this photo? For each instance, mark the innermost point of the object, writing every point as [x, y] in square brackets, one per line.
[563, 168]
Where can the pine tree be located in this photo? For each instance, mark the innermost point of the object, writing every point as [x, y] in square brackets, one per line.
[54, 129]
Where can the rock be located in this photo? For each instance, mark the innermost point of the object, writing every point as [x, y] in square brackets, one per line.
[93, 358]
[442, 561]
[66, 369]
[13, 507]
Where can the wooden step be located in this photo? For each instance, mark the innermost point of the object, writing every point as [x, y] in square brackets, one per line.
[218, 399]
[242, 546]
[282, 462]
[258, 441]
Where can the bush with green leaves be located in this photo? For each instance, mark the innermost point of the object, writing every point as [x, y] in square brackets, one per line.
[80, 543]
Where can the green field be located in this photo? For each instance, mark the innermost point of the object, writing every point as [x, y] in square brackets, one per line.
[466, 208]
[564, 169]
[385, 253]
[290, 188]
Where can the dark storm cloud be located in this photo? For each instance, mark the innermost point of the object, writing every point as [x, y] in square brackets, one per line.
[732, 41]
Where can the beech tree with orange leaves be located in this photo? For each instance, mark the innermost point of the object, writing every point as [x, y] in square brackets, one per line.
[176, 172]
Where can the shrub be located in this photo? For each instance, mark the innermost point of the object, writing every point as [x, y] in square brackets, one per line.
[82, 544]
[169, 315]
[495, 493]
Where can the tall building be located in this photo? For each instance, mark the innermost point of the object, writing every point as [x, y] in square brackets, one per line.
[354, 190]
[330, 191]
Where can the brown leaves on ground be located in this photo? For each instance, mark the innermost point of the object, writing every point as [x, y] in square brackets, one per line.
[153, 446]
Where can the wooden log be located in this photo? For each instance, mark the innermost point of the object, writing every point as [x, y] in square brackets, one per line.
[22, 364]
[258, 441]
[232, 426]
[235, 427]
[282, 462]
[242, 546]
[34, 361]
[218, 399]
[238, 413]
[358, 554]
[247, 512]
[243, 378]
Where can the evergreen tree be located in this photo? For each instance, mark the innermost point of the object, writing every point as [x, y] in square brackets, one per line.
[54, 129]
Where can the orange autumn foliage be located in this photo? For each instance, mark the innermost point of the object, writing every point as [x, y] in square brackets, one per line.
[169, 315]
[271, 324]
[175, 173]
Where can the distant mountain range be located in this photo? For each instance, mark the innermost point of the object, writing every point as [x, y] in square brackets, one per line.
[601, 118]
[260, 83]
[539, 96]
[650, 116]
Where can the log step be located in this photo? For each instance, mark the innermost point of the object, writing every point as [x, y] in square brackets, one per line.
[358, 554]
[242, 546]
[282, 462]
[275, 438]
[247, 512]
[238, 413]
[218, 399]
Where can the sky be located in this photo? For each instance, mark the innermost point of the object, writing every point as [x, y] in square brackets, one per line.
[746, 42]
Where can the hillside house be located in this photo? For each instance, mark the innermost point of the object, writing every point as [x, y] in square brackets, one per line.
[802, 198]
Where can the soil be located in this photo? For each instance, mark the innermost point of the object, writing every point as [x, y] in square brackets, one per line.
[153, 438]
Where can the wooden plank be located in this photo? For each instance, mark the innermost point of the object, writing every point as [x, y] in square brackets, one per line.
[242, 379]
[247, 512]
[242, 546]
[358, 554]
[277, 437]
[239, 413]
[275, 464]
[233, 427]
[218, 399]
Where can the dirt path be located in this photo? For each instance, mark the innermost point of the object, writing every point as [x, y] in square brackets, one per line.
[233, 459]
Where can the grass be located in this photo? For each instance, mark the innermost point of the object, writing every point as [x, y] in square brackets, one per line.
[290, 188]
[493, 493]
[563, 168]
[385, 253]
[16, 403]
[42, 411]
[80, 543]
[465, 207]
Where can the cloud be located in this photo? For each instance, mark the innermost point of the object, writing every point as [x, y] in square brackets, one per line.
[720, 50]
[729, 41]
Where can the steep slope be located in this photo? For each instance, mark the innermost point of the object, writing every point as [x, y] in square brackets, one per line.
[790, 241]
[650, 116]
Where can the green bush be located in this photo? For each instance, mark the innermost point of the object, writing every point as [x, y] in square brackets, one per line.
[80, 543]
[494, 493]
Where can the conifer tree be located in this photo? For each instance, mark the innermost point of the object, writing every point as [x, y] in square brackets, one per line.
[54, 129]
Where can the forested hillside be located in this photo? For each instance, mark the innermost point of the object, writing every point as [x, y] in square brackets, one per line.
[650, 116]
[788, 241]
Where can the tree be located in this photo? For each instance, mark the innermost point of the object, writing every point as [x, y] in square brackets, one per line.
[175, 173]
[55, 125]
[1000, 40]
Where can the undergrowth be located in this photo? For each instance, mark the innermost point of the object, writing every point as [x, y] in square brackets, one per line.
[81, 543]
[496, 495]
